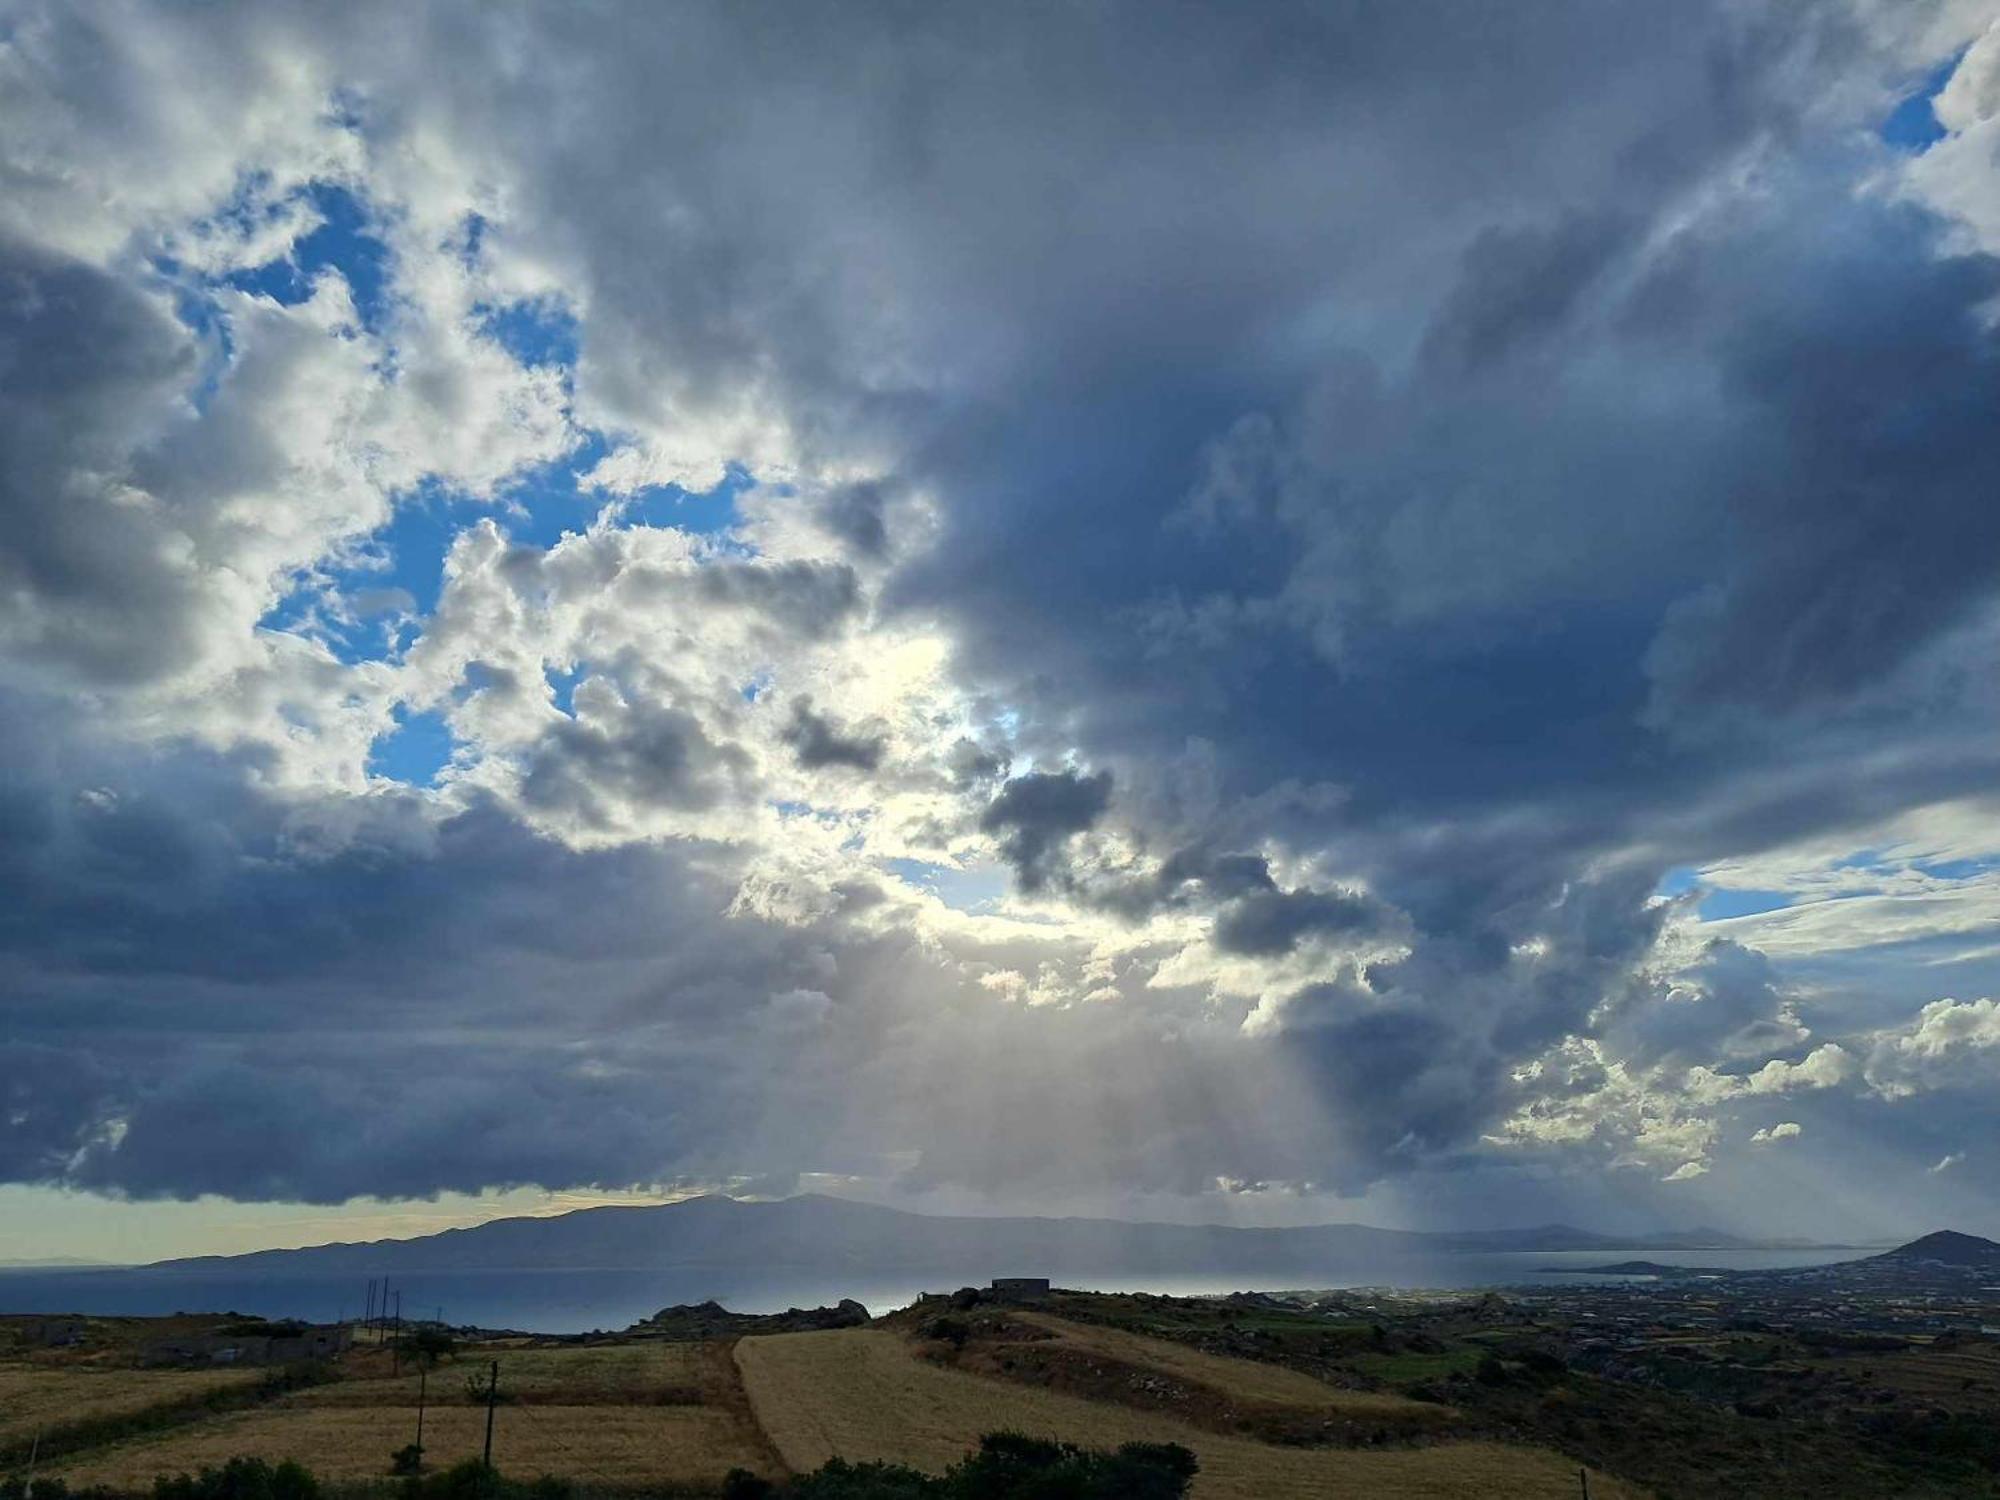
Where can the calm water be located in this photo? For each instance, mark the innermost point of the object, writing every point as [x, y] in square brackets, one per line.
[577, 1300]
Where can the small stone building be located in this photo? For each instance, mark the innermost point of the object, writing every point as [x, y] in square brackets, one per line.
[1020, 1288]
[54, 1333]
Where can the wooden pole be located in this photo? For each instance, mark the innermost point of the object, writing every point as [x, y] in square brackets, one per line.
[423, 1380]
[492, 1395]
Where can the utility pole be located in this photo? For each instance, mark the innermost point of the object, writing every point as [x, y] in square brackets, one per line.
[368, 1307]
[423, 1380]
[492, 1395]
[396, 1347]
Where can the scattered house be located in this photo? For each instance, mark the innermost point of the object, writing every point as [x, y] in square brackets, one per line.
[55, 1333]
[1020, 1288]
[291, 1344]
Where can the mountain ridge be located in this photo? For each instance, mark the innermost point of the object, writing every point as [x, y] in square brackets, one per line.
[822, 1231]
[1947, 1247]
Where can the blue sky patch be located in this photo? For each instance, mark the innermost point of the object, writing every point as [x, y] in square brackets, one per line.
[562, 685]
[535, 333]
[709, 512]
[1717, 906]
[1913, 125]
[1954, 869]
[976, 888]
[1677, 881]
[344, 242]
[415, 751]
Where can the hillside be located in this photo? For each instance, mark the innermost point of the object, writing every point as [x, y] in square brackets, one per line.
[1947, 1247]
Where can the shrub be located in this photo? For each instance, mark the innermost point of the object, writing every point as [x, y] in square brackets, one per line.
[472, 1480]
[837, 1479]
[1008, 1466]
[431, 1345]
[241, 1479]
[18, 1487]
[948, 1330]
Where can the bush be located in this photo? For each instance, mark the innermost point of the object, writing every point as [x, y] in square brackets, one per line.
[948, 1330]
[472, 1480]
[1008, 1466]
[430, 1345]
[837, 1479]
[241, 1479]
[17, 1487]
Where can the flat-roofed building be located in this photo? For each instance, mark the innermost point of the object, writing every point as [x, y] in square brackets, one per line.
[1020, 1288]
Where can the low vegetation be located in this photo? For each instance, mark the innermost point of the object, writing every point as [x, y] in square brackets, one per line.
[40, 1397]
[1277, 1399]
[870, 1395]
[1006, 1466]
[174, 1405]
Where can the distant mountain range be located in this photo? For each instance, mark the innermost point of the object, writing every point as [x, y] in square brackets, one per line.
[58, 1263]
[834, 1236]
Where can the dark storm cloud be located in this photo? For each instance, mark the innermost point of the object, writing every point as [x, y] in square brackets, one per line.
[86, 577]
[1035, 816]
[1269, 922]
[1865, 526]
[817, 741]
[803, 597]
[617, 753]
[1253, 914]
[200, 998]
[1516, 286]
[854, 513]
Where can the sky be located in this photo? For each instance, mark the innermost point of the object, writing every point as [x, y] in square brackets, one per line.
[1243, 614]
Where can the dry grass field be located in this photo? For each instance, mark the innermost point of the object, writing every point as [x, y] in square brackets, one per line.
[41, 1395]
[862, 1394]
[1243, 1379]
[618, 1415]
[646, 1414]
[1962, 1379]
[638, 1374]
[610, 1445]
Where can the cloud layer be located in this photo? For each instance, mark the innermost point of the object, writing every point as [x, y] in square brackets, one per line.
[1050, 604]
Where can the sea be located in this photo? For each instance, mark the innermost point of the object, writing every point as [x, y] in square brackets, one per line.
[585, 1299]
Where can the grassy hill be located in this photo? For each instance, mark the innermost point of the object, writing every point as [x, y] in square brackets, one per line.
[654, 1414]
